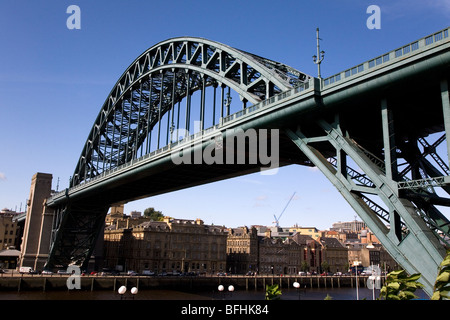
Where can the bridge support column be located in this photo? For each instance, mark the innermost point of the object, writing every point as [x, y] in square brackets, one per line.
[38, 223]
[446, 110]
[390, 160]
[412, 244]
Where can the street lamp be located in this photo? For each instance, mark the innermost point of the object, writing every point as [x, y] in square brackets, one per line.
[297, 286]
[356, 264]
[221, 289]
[134, 291]
[122, 291]
[317, 59]
[373, 279]
[227, 102]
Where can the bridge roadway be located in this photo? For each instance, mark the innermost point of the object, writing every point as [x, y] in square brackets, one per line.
[343, 116]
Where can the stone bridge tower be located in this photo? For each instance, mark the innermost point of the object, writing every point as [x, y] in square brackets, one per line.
[38, 223]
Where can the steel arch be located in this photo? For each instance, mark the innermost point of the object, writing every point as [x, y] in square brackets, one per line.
[160, 78]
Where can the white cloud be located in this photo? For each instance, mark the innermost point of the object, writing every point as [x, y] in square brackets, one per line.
[261, 201]
[2, 176]
[252, 181]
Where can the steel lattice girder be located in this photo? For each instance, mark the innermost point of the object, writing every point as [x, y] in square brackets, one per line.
[75, 232]
[160, 78]
[409, 239]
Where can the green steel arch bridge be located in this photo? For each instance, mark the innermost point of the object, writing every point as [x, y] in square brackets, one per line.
[375, 131]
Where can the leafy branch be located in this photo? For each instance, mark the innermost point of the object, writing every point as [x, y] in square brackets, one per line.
[442, 284]
[273, 292]
[400, 286]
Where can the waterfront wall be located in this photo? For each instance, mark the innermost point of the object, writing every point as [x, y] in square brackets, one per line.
[49, 283]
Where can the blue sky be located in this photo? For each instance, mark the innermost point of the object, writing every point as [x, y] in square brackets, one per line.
[53, 82]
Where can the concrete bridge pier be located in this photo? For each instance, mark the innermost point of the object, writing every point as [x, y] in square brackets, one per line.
[38, 223]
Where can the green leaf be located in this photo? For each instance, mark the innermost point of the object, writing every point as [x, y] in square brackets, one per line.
[445, 262]
[414, 285]
[444, 277]
[413, 277]
[436, 296]
[392, 297]
[395, 274]
[394, 285]
[409, 295]
[445, 294]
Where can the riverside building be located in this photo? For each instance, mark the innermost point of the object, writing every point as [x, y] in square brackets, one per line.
[169, 246]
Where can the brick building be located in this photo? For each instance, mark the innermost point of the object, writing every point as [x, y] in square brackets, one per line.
[242, 250]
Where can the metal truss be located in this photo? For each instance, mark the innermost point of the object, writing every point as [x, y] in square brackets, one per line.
[155, 84]
[74, 234]
[400, 211]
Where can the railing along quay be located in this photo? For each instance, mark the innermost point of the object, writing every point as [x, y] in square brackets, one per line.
[18, 282]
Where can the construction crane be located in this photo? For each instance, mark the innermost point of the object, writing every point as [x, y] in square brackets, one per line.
[277, 220]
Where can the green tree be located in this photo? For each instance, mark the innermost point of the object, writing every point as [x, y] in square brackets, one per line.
[400, 286]
[442, 284]
[325, 266]
[305, 266]
[153, 214]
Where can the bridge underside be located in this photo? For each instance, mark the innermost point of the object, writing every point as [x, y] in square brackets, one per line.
[86, 214]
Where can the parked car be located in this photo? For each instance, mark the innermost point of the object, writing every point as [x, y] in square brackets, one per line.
[26, 270]
[132, 273]
[46, 272]
[148, 273]
[63, 272]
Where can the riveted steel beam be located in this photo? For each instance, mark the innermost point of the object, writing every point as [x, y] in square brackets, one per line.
[409, 240]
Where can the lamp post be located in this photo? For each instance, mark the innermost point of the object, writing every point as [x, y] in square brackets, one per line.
[356, 264]
[122, 291]
[231, 289]
[134, 291]
[297, 286]
[373, 278]
[221, 289]
[374, 281]
[227, 102]
[317, 59]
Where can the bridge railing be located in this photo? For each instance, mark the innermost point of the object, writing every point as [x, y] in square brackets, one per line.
[390, 57]
[206, 133]
[283, 95]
